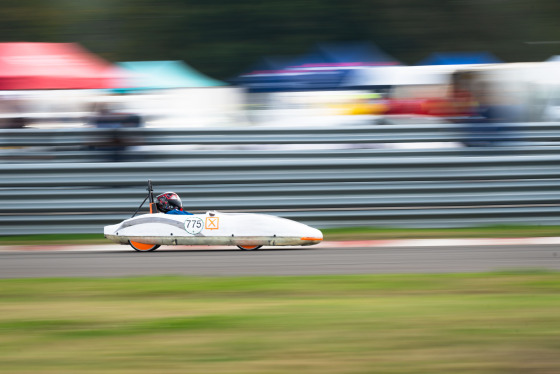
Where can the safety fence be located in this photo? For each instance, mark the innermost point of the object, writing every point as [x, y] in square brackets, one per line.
[355, 184]
[152, 144]
[374, 133]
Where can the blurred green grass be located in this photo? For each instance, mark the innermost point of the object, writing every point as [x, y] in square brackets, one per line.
[354, 233]
[503, 322]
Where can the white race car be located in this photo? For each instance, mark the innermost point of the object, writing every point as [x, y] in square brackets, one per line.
[247, 231]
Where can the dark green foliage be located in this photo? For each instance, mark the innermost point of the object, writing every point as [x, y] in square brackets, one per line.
[222, 38]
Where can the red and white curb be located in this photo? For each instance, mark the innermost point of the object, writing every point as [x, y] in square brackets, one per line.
[326, 244]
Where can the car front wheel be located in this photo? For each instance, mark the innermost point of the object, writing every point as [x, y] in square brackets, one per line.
[141, 247]
[249, 247]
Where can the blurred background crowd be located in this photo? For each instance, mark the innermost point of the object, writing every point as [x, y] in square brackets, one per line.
[50, 85]
[177, 63]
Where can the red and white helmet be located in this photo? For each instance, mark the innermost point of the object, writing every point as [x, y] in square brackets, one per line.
[168, 201]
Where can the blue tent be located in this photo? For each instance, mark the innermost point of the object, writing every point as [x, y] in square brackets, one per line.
[460, 58]
[325, 66]
[151, 75]
[263, 73]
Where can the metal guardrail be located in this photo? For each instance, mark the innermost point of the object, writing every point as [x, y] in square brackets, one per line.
[351, 186]
[150, 144]
[436, 132]
[21, 144]
[374, 134]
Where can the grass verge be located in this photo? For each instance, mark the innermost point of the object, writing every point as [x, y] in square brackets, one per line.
[450, 323]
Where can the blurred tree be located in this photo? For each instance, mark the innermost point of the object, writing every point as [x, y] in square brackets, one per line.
[27, 20]
[223, 37]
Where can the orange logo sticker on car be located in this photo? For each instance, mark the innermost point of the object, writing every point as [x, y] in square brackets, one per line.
[212, 223]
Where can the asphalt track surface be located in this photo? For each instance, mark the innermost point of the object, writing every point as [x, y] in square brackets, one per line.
[300, 261]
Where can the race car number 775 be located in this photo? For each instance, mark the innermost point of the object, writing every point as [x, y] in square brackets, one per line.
[194, 225]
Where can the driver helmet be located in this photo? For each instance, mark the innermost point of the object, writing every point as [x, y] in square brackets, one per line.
[168, 201]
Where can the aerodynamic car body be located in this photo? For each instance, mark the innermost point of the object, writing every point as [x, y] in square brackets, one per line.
[247, 231]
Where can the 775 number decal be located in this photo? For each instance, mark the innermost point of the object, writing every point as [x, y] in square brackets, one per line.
[194, 225]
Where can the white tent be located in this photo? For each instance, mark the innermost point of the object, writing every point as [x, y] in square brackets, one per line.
[401, 75]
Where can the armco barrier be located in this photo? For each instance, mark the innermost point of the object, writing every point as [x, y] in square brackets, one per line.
[44, 190]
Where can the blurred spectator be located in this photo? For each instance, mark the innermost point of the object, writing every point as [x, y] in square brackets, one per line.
[493, 115]
[110, 117]
[11, 113]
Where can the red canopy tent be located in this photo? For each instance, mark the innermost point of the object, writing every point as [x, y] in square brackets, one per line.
[37, 66]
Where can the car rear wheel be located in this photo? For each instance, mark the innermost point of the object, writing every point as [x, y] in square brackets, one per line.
[141, 247]
[249, 247]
